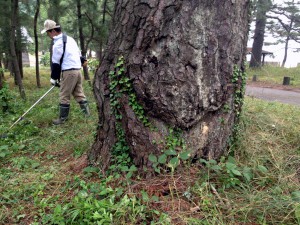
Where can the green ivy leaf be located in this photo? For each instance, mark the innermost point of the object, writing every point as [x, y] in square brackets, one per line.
[133, 168]
[124, 168]
[174, 162]
[170, 152]
[162, 159]
[184, 155]
[157, 170]
[129, 175]
[152, 158]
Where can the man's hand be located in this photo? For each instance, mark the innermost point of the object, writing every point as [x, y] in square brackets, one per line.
[85, 63]
[54, 82]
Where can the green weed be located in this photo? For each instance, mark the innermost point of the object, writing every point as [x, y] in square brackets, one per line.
[44, 179]
[270, 75]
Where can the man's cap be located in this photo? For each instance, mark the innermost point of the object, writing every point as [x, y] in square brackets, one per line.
[49, 25]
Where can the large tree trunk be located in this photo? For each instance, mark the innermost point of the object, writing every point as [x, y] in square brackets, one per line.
[183, 59]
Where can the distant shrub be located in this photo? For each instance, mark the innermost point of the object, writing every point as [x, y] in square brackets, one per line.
[93, 64]
[45, 59]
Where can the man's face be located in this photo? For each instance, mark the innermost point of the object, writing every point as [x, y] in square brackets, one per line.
[51, 33]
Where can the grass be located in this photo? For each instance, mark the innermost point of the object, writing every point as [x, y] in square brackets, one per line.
[271, 75]
[45, 178]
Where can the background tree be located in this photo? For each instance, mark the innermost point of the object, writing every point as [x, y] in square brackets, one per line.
[182, 71]
[262, 7]
[82, 38]
[55, 12]
[36, 42]
[13, 50]
[5, 30]
[285, 24]
[104, 23]
[1, 73]
[84, 24]
[29, 17]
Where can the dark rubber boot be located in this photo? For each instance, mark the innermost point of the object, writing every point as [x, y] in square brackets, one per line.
[85, 108]
[63, 114]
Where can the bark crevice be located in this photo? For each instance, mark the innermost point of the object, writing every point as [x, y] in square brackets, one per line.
[180, 58]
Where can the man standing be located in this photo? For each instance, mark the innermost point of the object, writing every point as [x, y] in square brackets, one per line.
[67, 61]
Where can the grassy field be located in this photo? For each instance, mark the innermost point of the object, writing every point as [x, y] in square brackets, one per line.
[44, 177]
[270, 75]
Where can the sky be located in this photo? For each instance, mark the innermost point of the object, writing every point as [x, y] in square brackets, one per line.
[293, 58]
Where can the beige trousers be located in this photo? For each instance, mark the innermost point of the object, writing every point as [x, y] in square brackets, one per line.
[71, 84]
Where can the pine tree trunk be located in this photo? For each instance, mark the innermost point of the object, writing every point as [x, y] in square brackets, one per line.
[1, 73]
[82, 39]
[1, 68]
[260, 25]
[286, 46]
[36, 42]
[185, 62]
[13, 49]
[19, 45]
[4, 107]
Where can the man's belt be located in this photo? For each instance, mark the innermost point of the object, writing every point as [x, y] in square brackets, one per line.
[71, 69]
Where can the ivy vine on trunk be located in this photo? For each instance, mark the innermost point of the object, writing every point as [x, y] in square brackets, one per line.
[183, 62]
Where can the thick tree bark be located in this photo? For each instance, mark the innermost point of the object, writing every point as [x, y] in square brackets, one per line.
[180, 57]
[36, 42]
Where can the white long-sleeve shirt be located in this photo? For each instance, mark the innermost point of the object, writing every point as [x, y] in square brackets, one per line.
[72, 54]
